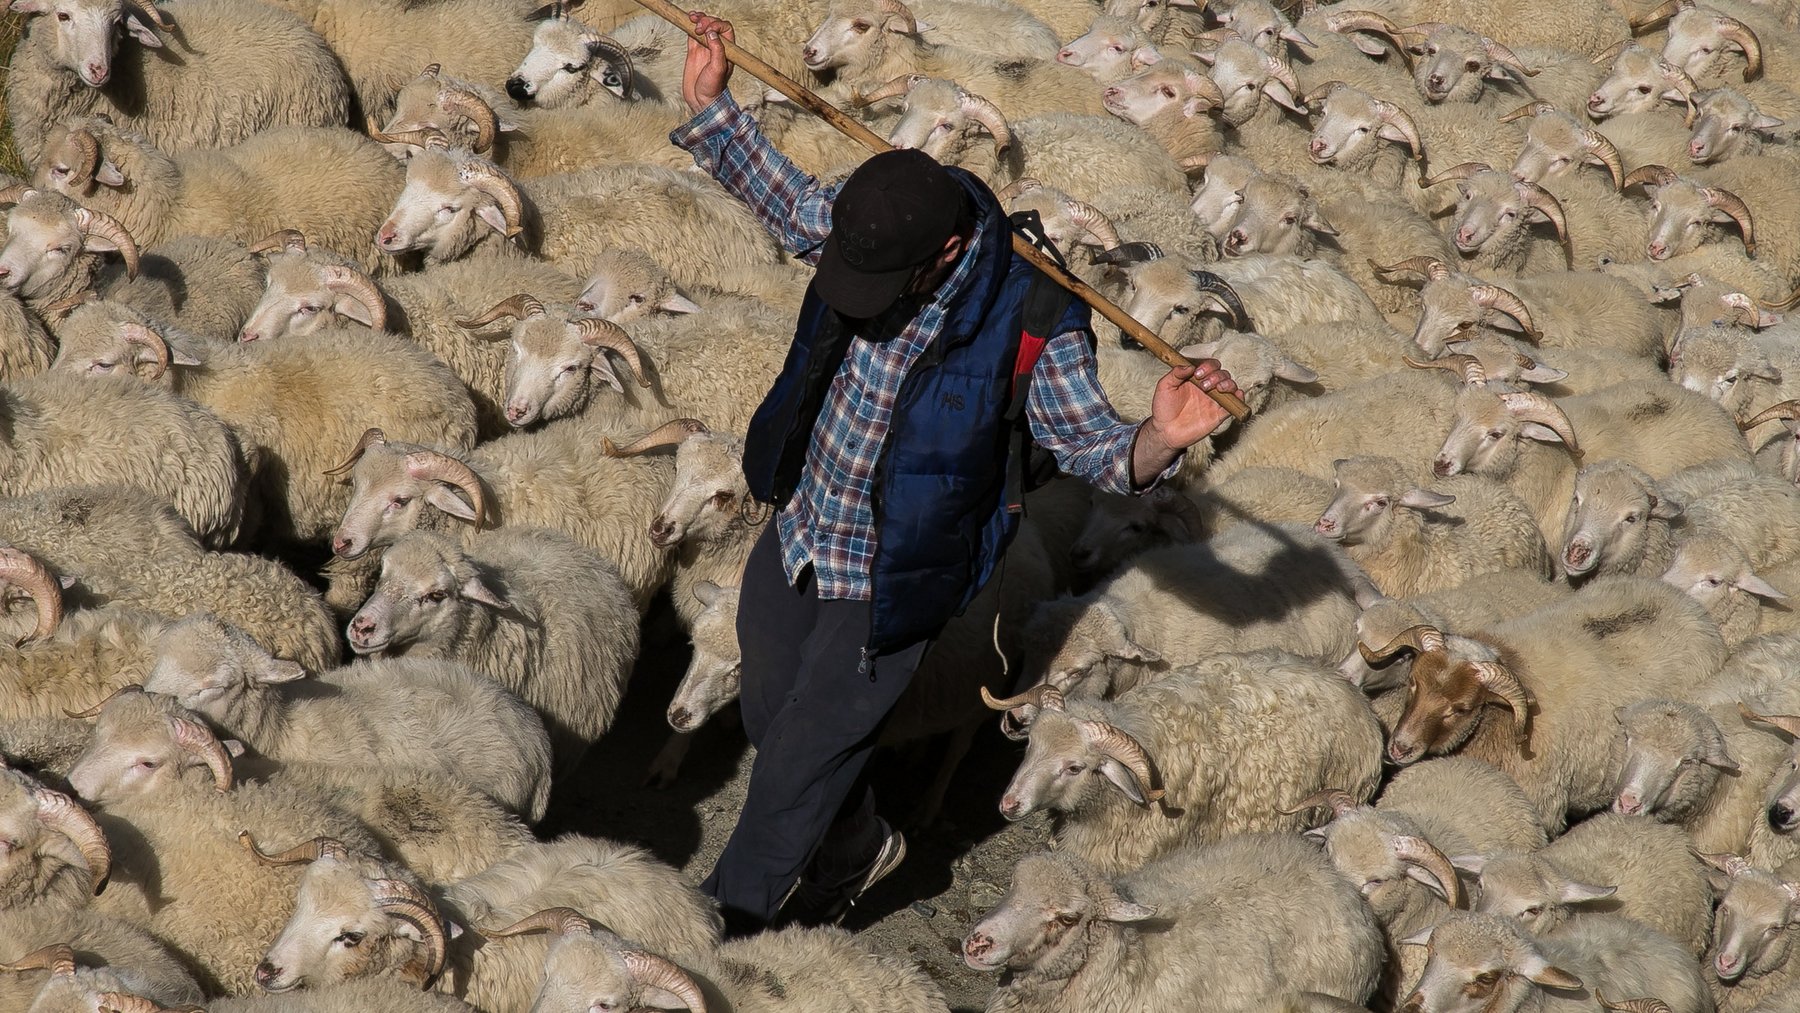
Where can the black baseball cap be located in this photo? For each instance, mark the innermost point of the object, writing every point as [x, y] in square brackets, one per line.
[894, 213]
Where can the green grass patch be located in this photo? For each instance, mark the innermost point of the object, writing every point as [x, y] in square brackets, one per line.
[11, 26]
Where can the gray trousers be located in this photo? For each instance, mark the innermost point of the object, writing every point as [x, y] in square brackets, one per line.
[814, 719]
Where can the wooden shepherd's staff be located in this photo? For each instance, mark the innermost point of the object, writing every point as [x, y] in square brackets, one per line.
[836, 117]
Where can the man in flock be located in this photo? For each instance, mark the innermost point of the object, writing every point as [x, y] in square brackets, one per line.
[893, 447]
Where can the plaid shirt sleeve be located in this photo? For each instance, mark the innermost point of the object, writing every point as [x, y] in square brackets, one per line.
[727, 142]
[1071, 417]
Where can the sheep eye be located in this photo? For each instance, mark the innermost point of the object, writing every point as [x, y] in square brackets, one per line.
[1631, 518]
[349, 939]
[1073, 768]
[1495, 434]
[1711, 581]
[1379, 503]
[1288, 219]
[400, 501]
[1360, 130]
[434, 596]
[859, 27]
[572, 68]
[307, 311]
[1643, 89]
[1531, 912]
[1166, 91]
[723, 499]
[149, 764]
[1116, 48]
[62, 15]
[1508, 216]
[1067, 920]
[1472, 66]
[636, 299]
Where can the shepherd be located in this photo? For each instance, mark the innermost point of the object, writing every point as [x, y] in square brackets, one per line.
[928, 360]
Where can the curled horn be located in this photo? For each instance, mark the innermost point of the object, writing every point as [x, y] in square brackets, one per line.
[57, 958]
[1528, 109]
[1361, 21]
[435, 467]
[1649, 175]
[149, 10]
[300, 854]
[89, 147]
[615, 54]
[1733, 30]
[98, 223]
[369, 438]
[1786, 410]
[1422, 853]
[1208, 89]
[1598, 147]
[1423, 639]
[199, 740]
[1114, 742]
[1792, 300]
[1613, 52]
[1645, 1005]
[1397, 118]
[1096, 224]
[488, 180]
[606, 334]
[1506, 58]
[1786, 722]
[15, 193]
[399, 899]
[1043, 696]
[1733, 205]
[431, 71]
[1280, 71]
[124, 1002]
[672, 433]
[1496, 679]
[1462, 171]
[150, 341]
[558, 920]
[902, 85]
[286, 240]
[1431, 268]
[895, 8]
[1321, 93]
[1226, 296]
[1730, 865]
[987, 114]
[1530, 406]
[1022, 185]
[420, 137]
[346, 280]
[520, 306]
[465, 103]
[1130, 253]
[95, 710]
[28, 574]
[58, 812]
[1667, 9]
[1466, 366]
[658, 972]
[1495, 298]
[1338, 799]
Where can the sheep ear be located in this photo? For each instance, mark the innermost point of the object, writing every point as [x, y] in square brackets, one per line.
[1759, 587]
[678, 303]
[707, 593]
[1118, 910]
[774, 98]
[1420, 938]
[1317, 223]
[921, 26]
[1389, 132]
[604, 371]
[1582, 893]
[92, 243]
[1719, 758]
[475, 589]
[1541, 373]
[182, 357]
[109, 174]
[66, 581]
[1765, 123]
[1279, 92]
[1666, 507]
[1429, 881]
[1425, 499]
[1145, 56]
[233, 746]
[144, 34]
[1470, 863]
[1123, 779]
[492, 215]
[441, 497]
[275, 670]
[31, 6]
[1540, 971]
[345, 306]
[1539, 432]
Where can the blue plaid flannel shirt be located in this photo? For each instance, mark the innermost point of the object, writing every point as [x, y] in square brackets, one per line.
[829, 522]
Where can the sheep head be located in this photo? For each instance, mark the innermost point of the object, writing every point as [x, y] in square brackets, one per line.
[431, 105]
[1105, 51]
[1684, 215]
[1714, 571]
[1277, 216]
[628, 284]
[112, 339]
[1481, 961]
[86, 159]
[1245, 75]
[1724, 364]
[1057, 909]
[570, 64]
[1781, 800]
[1456, 306]
[1494, 211]
[1221, 192]
[220, 672]
[1085, 644]
[452, 199]
[557, 360]
[590, 968]
[55, 850]
[709, 499]
[1453, 687]
[1700, 39]
[1259, 23]
[144, 743]
[1452, 64]
[715, 672]
[1074, 758]
[1557, 144]
[1670, 757]
[1727, 125]
[1375, 496]
[856, 34]
[1387, 857]
[1753, 925]
[1638, 82]
[392, 484]
[309, 289]
[1163, 89]
[87, 32]
[31, 601]
[944, 121]
[53, 246]
[1351, 125]
[1490, 431]
[1611, 519]
[1530, 889]
[430, 595]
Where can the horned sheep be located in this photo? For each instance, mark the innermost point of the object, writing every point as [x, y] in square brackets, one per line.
[1753, 933]
[43, 942]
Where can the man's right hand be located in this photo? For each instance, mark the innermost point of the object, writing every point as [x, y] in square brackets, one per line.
[707, 70]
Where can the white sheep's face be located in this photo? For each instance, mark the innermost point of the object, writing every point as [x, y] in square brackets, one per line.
[1447, 310]
[1047, 919]
[1163, 296]
[706, 501]
[853, 34]
[1665, 762]
[1609, 521]
[387, 500]
[87, 33]
[1486, 438]
[29, 850]
[1349, 129]
[1147, 14]
[1244, 77]
[1637, 84]
[112, 348]
[715, 673]
[1782, 799]
[437, 212]
[585, 972]
[934, 122]
[1161, 88]
[1104, 53]
[1530, 891]
[1089, 643]
[1695, 45]
[1723, 364]
[1360, 846]
[1370, 491]
[551, 373]
[1552, 149]
[1482, 964]
[1729, 125]
[133, 751]
[1449, 65]
[1680, 220]
[563, 69]
[212, 668]
[43, 244]
[1491, 214]
[337, 933]
[422, 599]
[628, 285]
[1063, 768]
[1713, 571]
[296, 302]
[1753, 927]
[1277, 218]
[1219, 196]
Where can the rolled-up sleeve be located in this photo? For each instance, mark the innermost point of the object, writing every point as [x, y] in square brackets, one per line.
[727, 142]
[1070, 416]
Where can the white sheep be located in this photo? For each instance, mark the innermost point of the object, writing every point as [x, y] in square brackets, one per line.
[534, 611]
[1170, 100]
[571, 64]
[59, 857]
[225, 71]
[1201, 754]
[1747, 371]
[1745, 600]
[1703, 769]
[1229, 924]
[1480, 602]
[1619, 522]
[1751, 955]
[1688, 210]
[42, 941]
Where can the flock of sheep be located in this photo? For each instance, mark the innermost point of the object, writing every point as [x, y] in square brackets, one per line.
[1460, 678]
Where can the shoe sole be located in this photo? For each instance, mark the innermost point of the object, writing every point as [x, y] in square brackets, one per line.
[893, 852]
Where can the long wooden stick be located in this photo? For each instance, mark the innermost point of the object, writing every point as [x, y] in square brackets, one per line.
[831, 114]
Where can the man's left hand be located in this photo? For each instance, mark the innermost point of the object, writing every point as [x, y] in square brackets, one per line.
[1181, 414]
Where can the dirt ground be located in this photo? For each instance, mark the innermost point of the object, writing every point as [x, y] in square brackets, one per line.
[954, 870]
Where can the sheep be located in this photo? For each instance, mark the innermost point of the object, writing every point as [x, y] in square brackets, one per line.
[1714, 570]
[1000, 30]
[682, 219]
[1074, 153]
[1170, 100]
[1509, 437]
[1771, 838]
[1638, 81]
[1480, 602]
[1358, 136]
[1235, 922]
[1619, 522]
[1607, 866]
[132, 550]
[153, 440]
[1133, 779]
[58, 857]
[1729, 124]
[326, 181]
[1614, 624]
[588, 967]
[1258, 89]
[1495, 212]
[1129, 377]
[45, 939]
[447, 939]
[1687, 210]
[1557, 145]
[1700, 39]
[1746, 372]
[346, 997]
[1484, 958]
[393, 713]
[532, 142]
[1753, 933]
[544, 617]
[547, 479]
[164, 784]
[1396, 851]
[52, 255]
[281, 398]
[233, 71]
[1107, 49]
[1563, 372]
[1289, 589]
[1703, 769]
[570, 64]
[1402, 535]
[628, 284]
[310, 290]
